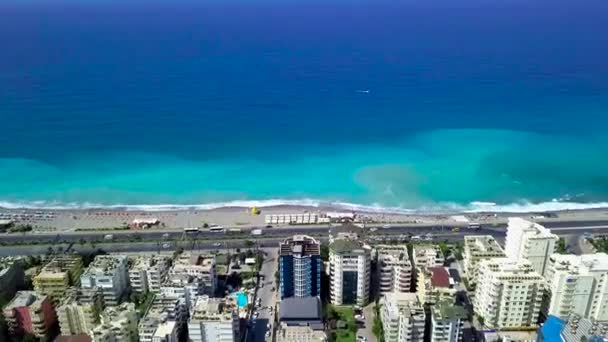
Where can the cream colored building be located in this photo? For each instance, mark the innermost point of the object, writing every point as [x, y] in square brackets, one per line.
[287, 333]
[79, 311]
[578, 284]
[118, 324]
[201, 267]
[427, 256]
[447, 321]
[530, 241]
[350, 272]
[394, 270]
[403, 318]
[476, 249]
[148, 272]
[434, 284]
[58, 275]
[509, 293]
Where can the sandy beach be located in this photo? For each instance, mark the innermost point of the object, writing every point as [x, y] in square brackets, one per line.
[72, 220]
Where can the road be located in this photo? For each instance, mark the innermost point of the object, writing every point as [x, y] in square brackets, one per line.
[267, 299]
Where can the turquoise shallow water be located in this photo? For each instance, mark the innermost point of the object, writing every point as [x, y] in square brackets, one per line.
[381, 104]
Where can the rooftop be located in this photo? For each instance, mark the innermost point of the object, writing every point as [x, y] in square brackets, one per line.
[448, 310]
[300, 244]
[581, 264]
[531, 227]
[306, 308]
[348, 246]
[25, 299]
[105, 264]
[207, 308]
[482, 244]
[393, 254]
[440, 277]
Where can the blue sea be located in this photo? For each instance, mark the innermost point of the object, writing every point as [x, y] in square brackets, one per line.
[385, 104]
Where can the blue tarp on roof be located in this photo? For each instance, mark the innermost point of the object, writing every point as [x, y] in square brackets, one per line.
[551, 331]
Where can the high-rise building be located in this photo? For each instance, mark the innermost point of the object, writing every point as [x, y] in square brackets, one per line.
[214, 320]
[163, 321]
[403, 318]
[447, 321]
[118, 323]
[148, 273]
[530, 241]
[78, 312]
[509, 293]
[350, 272]
[578, 284]
[477, 248]
[109, 274]
[427, 256]
[200, 267]
[12, 276]
[300, 267]
[434, 284]
[394, 270]
[29, 312]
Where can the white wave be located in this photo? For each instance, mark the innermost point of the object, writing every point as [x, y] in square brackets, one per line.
[443, 208]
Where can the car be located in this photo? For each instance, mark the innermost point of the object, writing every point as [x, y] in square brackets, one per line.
[360, 317]
[361, 338]
[217, 244]
[268, 333]
[416, 237]
[373, 229]
[268, 326]
[166, 245]
[386, 226]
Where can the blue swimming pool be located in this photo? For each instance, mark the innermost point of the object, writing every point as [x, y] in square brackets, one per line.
[241, 299]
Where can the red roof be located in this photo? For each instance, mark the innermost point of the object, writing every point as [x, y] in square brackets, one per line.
[440, 277]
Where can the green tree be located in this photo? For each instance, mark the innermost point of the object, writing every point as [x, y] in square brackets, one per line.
[561, 247]
[324, 252]
[249, 243]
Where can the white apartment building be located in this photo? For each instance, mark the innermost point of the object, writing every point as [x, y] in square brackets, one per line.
[427, 256]
[202, 268]
[578, 285]
[530, 241]
[109, 274]
[214, 320]
[184, 287]
[394, 269]
[476, 249]
[118, 324]
[509, 293]
[434, 284]
[403, 318]
[350, 272]
[447, 322]
[148, 273]
[162, 322]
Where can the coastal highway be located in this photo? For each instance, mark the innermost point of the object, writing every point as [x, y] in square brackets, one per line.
[558, 227]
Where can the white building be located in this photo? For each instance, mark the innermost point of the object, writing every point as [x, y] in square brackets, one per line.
[509, 293]
[447, 322]
[162, 322]
[350, 272]
[403, 318]
[109, 274]
[394, 269]
[476, 249]
[214, 320]
[184, 287]
[78, 312]
[148, 273]
[202, 268]
[118, 324]
[530, 241]
[578, 284]
[427, 256]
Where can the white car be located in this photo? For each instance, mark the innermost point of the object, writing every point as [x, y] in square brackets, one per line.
[359, 317]
[217, 244]
[386, 226]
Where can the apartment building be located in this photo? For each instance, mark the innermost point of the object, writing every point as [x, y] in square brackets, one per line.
[202, 268]
[299, 267]
[148, 272]
[61, 272]
[118, 324]
[214, 320]
[509, 293]
[476, 249]
[447, 321]
[163, 321]
[394, 270]
[78, 312]
[12, 276]
[350, 272]
[578, 284]
[300, 320]
[184, 287]
[403, 318]
[109, 274]
[427, 256]
[530, 241]
[29, 312]
[434, 284]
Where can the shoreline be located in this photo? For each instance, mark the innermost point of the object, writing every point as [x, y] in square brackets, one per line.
[50, 220]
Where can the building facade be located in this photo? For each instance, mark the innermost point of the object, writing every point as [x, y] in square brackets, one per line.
[12, 276]
[434, 284]
[300, 267]
[427, 256]
[394, 270]
[118, 324]
[148, 273]
[163, 321]
[403, 318]
[447, 321]
[201, 268]
[509, 293]
[530, 241]
[78, 312]
[31, 313]
[350, 272]
[578, 284]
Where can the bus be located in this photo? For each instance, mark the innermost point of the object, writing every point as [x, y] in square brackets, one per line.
[216, 229]
[191, 230]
